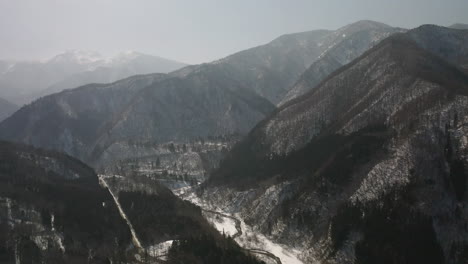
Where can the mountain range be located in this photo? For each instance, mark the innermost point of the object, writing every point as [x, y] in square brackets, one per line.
[23, 82]
[352, 41]
[139, 116]
[326, 146]
[367, 164]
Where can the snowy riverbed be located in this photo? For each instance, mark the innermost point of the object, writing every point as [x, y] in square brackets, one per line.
[249, 239]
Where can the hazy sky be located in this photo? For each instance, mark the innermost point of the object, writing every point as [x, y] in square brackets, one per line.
[193, 31]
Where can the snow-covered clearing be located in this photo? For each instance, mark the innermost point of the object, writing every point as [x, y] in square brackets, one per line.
[223, 224]
[251, 239]
[159, 250]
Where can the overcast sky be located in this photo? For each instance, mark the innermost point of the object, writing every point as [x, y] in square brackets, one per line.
[193, 31]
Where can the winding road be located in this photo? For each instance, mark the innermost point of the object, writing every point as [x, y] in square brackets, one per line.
[265, 253]
[238, 224]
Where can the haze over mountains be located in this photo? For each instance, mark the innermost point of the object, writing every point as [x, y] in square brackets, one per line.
[459, 26]
[219, 99]
[326, 146]
[350, 42]
[22, 82]
[6, 108]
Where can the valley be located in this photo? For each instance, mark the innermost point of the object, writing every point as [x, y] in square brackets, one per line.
[324, 146]
[250, 239]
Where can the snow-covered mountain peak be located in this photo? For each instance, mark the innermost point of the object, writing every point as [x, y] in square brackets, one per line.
[128, 54]
[360, 26]
[77, 56]
[124, 57]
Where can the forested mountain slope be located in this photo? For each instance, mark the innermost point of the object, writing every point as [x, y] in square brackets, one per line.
[370, 163]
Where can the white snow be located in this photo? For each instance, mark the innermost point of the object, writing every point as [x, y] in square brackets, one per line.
[182, 191]
[59, 241]
[122, 57]
[52, 222]
[250, 238]
[81, 57]
[9, 214]
[255, 240]
[222, 224]
[17, 254]
[135, 239]
[9, 68]
[160, 249]
[41, 242]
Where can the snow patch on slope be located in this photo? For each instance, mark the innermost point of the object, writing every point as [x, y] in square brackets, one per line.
[250, 238]
[159, 250]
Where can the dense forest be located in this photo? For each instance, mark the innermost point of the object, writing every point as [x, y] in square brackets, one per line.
[332, 157]
[44, 204]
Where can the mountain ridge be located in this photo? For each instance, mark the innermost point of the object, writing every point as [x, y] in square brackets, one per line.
[6, 109]
[357, 38]
[75, 68]
[373, 144]
[400, 48]
[459, 26]
[233, 78]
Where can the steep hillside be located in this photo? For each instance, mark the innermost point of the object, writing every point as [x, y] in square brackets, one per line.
[53, 210]
[352, 89]
[370, 163]
[270, 69]
[71, 120]
[350, 42]
[6, 109]
[203, 107]
[142, 116]
[450, 44]
[167, 228]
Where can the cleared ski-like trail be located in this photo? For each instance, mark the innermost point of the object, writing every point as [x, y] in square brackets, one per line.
[135, 239]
